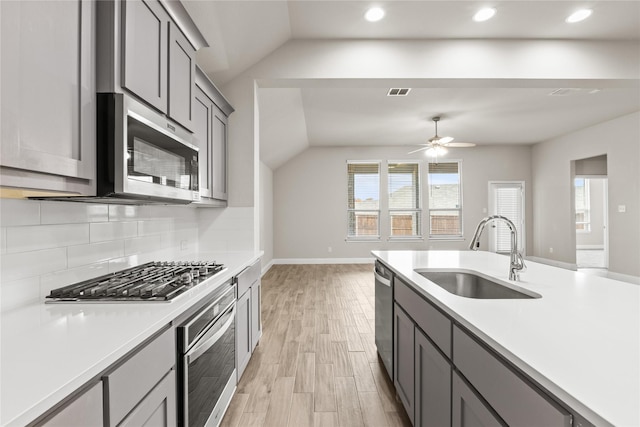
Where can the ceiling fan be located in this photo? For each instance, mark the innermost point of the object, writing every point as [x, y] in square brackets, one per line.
[437, 145]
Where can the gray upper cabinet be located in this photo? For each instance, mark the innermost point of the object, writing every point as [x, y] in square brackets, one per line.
[145, 26]
[48, 94]
[210, 122]
[147, 48]
[182, 72]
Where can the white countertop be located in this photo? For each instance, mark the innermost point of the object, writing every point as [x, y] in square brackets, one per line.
[580, 341]
[50, 350]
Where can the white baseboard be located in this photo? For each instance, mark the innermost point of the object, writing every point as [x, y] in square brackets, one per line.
[323, 261]
[623, 277]
[553, 262]
[590, 247]
[266, 268]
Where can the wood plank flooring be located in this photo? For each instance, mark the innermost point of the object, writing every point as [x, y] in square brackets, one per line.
[316, 364]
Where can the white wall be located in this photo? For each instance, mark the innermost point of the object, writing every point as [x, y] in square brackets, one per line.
[266, 214]
[226, 229]
[310, 197]
[46, 245]
[552, 197]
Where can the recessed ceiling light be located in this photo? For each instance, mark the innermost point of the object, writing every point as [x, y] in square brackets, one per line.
[579, 15]
[374, 14]
[484, 14]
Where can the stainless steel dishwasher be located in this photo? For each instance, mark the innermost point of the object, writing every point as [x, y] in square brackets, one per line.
[384, 315]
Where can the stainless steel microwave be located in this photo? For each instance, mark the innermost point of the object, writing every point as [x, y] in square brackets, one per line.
[141, 155]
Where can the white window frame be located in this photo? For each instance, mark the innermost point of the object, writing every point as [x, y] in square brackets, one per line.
[369, 238]
[419, 210]
[522, 236]
[460, 206]
[587, 205]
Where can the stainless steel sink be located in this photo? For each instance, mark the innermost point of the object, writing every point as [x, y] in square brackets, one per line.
[471, 285]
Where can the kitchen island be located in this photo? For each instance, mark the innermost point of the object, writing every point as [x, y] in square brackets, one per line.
[579, 342]
[51, 350]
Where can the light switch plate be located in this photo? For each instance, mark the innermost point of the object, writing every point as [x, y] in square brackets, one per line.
[622, 208]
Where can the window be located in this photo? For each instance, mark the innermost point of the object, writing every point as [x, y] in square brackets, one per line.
[404, 200]
[506, 199]
[445, 200]
[583, 205]
[363, 192]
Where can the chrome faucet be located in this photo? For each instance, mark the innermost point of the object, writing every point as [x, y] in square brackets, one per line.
[516, 264]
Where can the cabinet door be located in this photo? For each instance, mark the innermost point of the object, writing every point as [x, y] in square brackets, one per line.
[182, 73]
[219, 155]
[433, 385]
[243, 332]
[468, 408]
[158, 408]
[144, 62]
[202, 116]
[48, 88]
[403, 363]
[84, 411]
[256, 316]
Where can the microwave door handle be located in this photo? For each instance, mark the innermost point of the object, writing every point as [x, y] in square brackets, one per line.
[210, 338]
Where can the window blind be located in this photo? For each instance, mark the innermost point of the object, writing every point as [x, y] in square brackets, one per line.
[509, 203]
[363, 194]
[445, 200]
[404, 199]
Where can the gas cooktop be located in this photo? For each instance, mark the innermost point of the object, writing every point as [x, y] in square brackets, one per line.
[153, 281]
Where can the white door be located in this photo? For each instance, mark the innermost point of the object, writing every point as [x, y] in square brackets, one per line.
[506, 199]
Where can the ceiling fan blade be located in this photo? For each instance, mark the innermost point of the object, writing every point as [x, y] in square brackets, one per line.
[419, 149]
[445, 140]
[460, 144]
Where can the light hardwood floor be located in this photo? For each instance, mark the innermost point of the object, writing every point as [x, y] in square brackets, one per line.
[316, 364]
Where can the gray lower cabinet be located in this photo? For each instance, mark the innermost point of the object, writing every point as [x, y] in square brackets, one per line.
[248, 317]
[83, 411]
[158, 408]
[403, 364]
[243, 332]
[256, 315]
[469, 410]
[210, 120]
[445, 375]
[433, 384]
[142, 389]
[47, 69]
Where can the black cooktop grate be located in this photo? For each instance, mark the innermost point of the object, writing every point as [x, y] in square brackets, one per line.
[153, 281]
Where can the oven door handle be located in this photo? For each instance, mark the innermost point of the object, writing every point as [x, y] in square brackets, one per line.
[210, 338]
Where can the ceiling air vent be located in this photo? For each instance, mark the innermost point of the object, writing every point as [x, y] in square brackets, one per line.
[572, 91]
[394, 91]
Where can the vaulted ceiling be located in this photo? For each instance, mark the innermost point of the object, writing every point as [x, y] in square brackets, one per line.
[241, 33]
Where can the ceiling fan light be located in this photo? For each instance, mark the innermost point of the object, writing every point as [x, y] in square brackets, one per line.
[579, 15]
[436, 151]
[484, 14]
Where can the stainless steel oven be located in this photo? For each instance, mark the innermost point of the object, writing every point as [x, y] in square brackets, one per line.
[206, 363]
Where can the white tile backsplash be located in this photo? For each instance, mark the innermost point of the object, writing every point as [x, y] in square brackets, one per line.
[103, 231]
[71, 213]
[37, 237]
[95, 252]
[31, 264]
[19, 212]
[47, 245]
[17, 293]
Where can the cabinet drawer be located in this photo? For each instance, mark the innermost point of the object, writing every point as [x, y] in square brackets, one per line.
[436, 325]
[247, 277]
[517, 402]
[127, 385]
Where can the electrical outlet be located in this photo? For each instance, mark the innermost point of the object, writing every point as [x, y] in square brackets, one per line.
[550, 250]
[622, 208]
